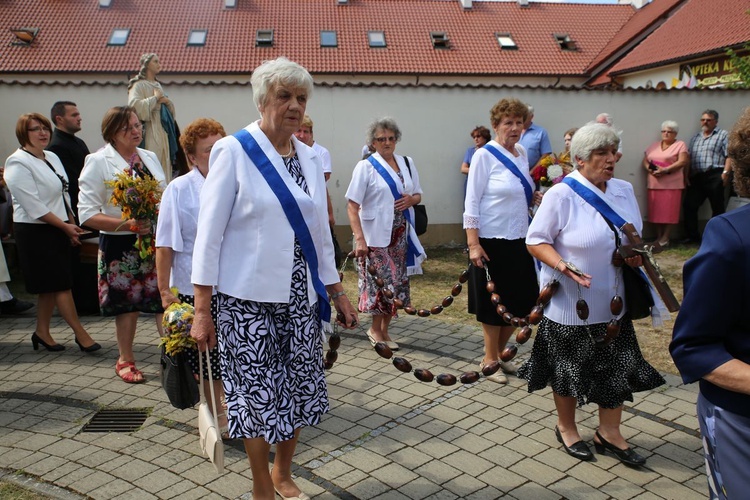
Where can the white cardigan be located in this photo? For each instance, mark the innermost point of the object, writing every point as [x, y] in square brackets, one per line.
[245, 244]
[35, 189]
[103, 166]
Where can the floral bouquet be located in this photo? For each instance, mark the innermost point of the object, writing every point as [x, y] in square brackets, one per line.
[551, 169]
[138, 197]
[177, 322]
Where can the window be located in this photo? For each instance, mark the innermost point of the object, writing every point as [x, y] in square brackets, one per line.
[24, 36]
[105, 4]
[197, 38]
[376, 38]
[264, 38]
[119, 36]
[230, 4]
[440, 40]
[564, 41]
[506, 41]
[328, 38]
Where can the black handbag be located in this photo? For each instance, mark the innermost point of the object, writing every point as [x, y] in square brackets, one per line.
[420, 211]
[178, 381]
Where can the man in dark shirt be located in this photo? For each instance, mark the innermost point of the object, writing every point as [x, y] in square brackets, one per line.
[70, 149]
[72, 152]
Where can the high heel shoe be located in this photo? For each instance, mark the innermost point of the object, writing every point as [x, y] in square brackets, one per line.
[626, 456]
[92, 348]
[579, 450]
[35, 341]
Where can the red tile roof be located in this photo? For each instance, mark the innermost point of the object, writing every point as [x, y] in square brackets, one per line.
[699, 27]
[73, 36]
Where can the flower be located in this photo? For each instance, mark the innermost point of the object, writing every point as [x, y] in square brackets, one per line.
[177, 322]
[138, 197]
[551, 169]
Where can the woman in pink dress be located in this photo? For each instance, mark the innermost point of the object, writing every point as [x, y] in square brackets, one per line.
[664, 161]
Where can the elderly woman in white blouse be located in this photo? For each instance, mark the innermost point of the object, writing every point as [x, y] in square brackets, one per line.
[127, 283]
[45, 230]
[582, 355]
[381, 194]
[175, 239]
[496, 216]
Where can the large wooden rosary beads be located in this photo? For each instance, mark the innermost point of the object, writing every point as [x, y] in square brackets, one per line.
[446, 379]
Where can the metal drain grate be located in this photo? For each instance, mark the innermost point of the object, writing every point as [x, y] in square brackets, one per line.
[117, 420]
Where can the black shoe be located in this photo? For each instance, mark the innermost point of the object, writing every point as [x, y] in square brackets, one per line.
[579, 450]
[92, 348]
[15, 306]
[35, 341]
[626, 456]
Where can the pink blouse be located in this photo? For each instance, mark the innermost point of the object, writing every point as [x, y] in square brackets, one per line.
[664, 159]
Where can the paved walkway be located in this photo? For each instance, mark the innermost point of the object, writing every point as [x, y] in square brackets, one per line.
[387, 436]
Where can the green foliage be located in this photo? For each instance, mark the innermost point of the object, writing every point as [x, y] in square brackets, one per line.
[742, 65]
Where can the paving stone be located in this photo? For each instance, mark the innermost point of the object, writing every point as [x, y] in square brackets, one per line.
[114, 488]
[437, 471]
[571, 488]
[419, 488]
[333, 469]
[666, 488]
[436, 447]
[537, 471]
[368, 488]
[94, 480]
[364, 459]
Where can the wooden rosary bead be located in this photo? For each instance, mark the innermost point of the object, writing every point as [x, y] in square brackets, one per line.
[490, 286]
[582, 309]
[490, 369]
[446, 379]
[515, 321]
[436, 310]
[334, 341]
[388, 293]
[398, 303]
[402, 365]
[495, 299]
[341, 276]
[547, 292]
[617, 259]
[523, 335]
[536, 314]
[383, 350]
[509, 353]
[456, 289]
[464, 277]
[410, 310]
[615, 305]
[507, 317]
[379, 282]
[501, 309]
[423, 313]
[423, 375]
[469, 377]
[447, 301]
[327, 365]
[613, 330]
[331, 357]
[372, 269]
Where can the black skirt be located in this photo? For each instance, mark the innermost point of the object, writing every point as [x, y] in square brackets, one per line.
[511, 268]
[44, 252]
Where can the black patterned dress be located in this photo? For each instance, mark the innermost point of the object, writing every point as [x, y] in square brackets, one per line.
[272, 357]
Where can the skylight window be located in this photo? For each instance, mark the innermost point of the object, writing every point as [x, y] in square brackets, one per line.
[119, 36]
[376, 38]
[506, 41]
[565, 42]
[440, 39]
[197, 38]
[264, 38]
[328, 38]
[24, 36]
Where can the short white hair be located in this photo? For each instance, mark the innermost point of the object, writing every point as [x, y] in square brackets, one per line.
[280, 71]
[671, 125]
[591, 137]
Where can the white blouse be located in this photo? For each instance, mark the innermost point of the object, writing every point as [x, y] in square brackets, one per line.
[495, 200]
[581, 236]
[178, 224]
[36, 190]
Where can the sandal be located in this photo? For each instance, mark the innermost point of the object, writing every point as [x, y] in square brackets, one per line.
[223, 424]
[128, 372]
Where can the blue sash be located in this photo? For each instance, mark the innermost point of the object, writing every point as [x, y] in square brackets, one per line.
[513, 169]
[411, 252]
[601, 206]
[293, 214]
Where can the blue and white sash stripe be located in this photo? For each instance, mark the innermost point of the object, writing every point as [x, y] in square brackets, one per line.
[293, 214]
[514, 170]
[411, 253]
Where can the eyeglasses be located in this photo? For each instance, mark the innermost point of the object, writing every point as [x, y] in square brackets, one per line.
[381, 140]
[128, 128]
[37, 129]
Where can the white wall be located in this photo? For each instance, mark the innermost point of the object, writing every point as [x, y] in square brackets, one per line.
[435, 123]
